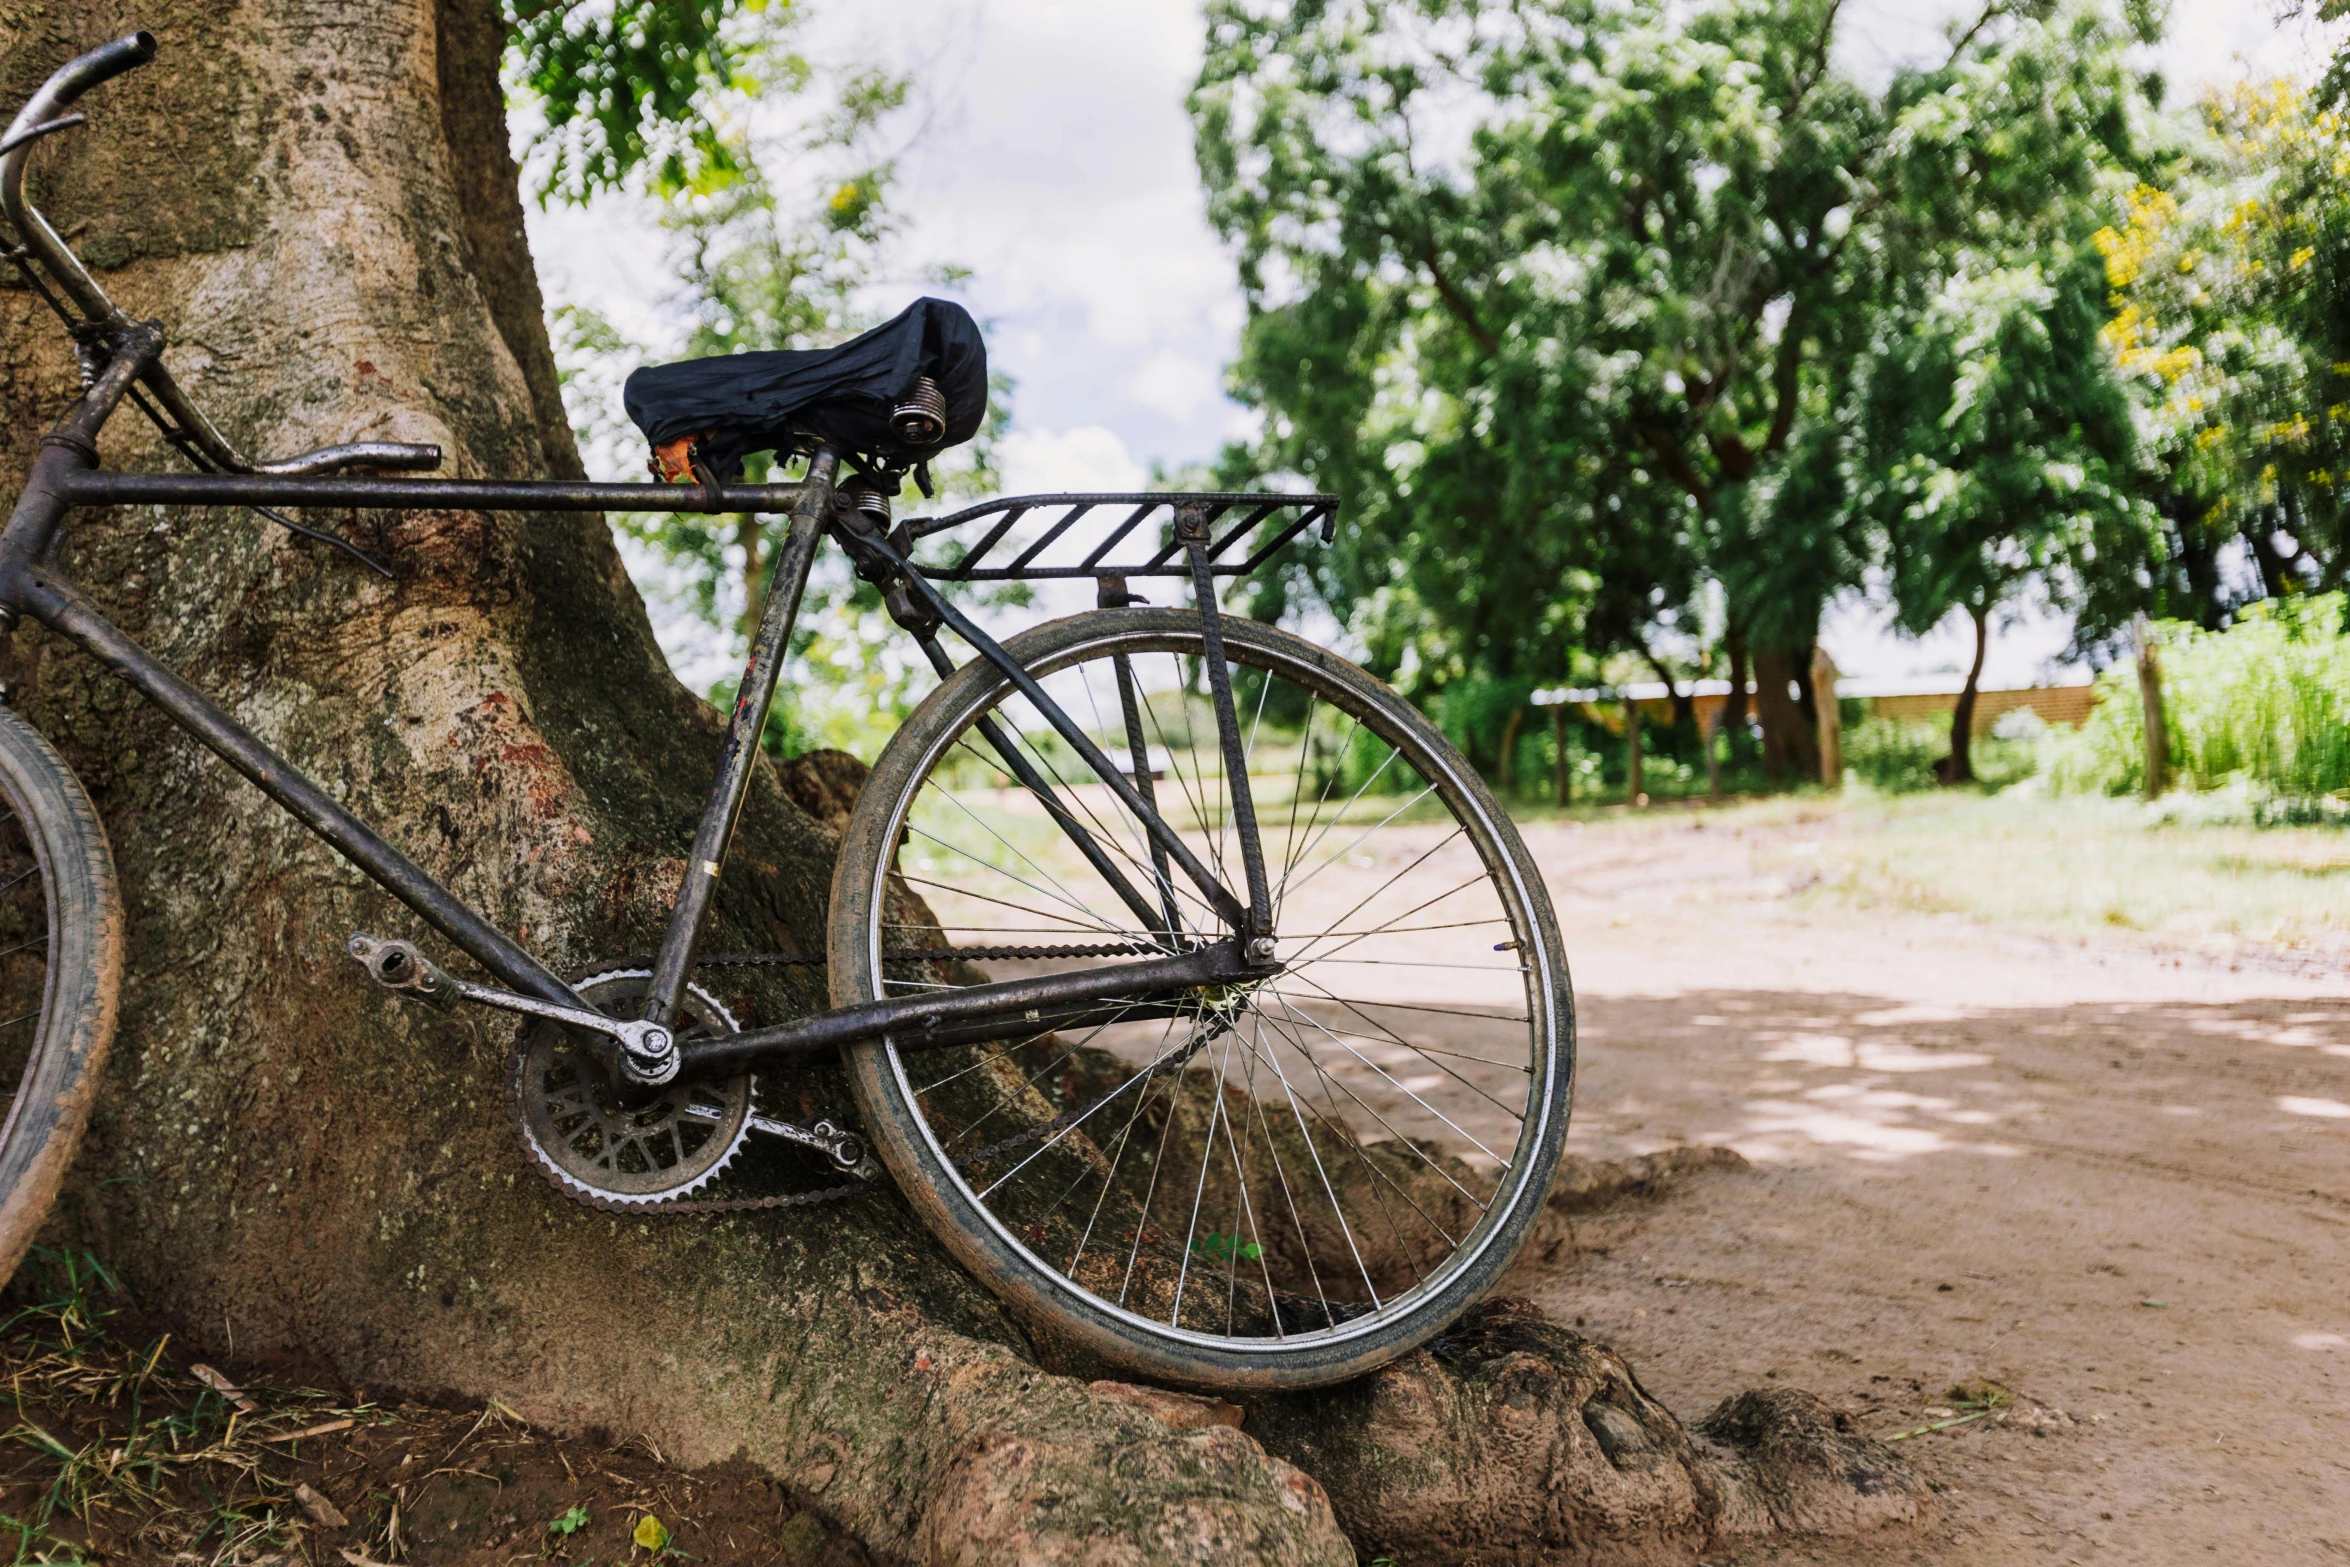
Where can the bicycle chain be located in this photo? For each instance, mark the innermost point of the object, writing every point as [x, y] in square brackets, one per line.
[827, 1194]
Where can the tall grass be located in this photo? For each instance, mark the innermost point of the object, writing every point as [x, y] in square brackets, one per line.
[2263, 705]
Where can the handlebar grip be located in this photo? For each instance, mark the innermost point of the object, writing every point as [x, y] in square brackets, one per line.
[102, 64]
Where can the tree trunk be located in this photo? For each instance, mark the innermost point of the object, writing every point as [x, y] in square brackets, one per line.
[2157, 728]
[1684, 703]
[1959, 766]
[314, 201]
[1734, 708]
[1789, 748]
[1509, 750]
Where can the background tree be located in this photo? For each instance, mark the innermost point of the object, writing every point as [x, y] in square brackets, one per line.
[1567, 299]
[1994, 445]
[2231, 313]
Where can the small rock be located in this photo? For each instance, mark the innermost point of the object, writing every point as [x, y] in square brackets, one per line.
[322, 1512]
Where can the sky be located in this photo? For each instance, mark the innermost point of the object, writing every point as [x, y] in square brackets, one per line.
[1054, 163]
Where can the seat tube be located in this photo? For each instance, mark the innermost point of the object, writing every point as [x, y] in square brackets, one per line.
[740, 750]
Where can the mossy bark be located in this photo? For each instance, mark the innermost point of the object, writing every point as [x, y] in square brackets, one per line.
[313, 198]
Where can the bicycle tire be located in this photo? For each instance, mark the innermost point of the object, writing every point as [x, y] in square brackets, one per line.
[920, 1145]
[56, 870]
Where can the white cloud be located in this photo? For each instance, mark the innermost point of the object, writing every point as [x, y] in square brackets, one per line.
[1177, 385]
[1087, 458]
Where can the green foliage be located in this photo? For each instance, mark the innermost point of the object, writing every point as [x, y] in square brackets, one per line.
[1994, 443]
[2231, 300]
[1894, 755]
[627, 85]
[1212, 1247]
[1899, 755]
[2263, 705]
[1571, 303]
[572, 1519]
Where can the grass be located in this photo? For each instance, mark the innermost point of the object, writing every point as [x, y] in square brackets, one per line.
[2263, 705]
[123, 1449]
[2072, 866]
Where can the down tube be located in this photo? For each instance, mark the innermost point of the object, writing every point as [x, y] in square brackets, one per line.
[61, 607]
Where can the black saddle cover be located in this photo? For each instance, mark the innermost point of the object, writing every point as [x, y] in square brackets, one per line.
[741, 403]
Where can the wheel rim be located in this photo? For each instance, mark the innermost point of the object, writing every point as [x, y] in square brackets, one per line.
[1288, 1165]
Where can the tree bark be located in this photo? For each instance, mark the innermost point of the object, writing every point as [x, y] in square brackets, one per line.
[1734, 709]
[1684, 702]
[1959, 766]
[1508, 770]
[1789, 748]
[312, 199]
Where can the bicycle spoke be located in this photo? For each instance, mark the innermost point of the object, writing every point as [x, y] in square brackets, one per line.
[1400, 1043]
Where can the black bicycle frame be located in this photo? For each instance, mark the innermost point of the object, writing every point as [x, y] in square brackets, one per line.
[123, 361]
[65, 476]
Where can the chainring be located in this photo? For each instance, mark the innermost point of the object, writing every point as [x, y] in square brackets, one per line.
[602, 1152]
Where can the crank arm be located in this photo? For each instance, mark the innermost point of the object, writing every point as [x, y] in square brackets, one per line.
[648, 1051]
[844, 1148]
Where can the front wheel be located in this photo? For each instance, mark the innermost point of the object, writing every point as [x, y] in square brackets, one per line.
[1273, 1184]
[61, 949]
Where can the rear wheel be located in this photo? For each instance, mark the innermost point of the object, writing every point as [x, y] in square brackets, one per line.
[60, 975]
[1274, 1184]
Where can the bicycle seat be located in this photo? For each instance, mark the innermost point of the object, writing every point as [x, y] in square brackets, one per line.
[865, 398]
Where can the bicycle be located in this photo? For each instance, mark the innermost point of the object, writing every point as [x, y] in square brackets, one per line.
[1192, 988]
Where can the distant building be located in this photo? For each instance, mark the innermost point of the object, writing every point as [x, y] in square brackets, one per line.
[2064, 701]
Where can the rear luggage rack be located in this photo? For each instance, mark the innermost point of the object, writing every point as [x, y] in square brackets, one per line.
[1257, 522]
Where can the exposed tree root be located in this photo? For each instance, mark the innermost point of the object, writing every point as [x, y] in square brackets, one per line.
[1513, 1440]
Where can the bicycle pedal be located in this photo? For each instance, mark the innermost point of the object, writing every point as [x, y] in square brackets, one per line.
[401, 969]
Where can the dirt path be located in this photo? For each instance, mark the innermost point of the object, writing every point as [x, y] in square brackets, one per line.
[2113, 1180]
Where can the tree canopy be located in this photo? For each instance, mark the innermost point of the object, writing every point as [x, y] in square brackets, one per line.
[1645, 329]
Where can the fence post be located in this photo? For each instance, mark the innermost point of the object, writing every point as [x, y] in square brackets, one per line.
[2150, 696]
[1558, 734]
[1830, 717]
[1712, 730]
[1633, 793]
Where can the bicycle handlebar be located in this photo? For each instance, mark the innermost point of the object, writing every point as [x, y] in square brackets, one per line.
[67, 83]
[194, 433]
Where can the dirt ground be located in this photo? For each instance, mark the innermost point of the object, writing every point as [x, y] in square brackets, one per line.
[2113, 1179]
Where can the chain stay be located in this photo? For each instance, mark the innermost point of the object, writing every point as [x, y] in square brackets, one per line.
[1107, 949]
[712, 1206]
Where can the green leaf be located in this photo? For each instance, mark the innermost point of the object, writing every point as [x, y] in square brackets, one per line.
[1212, 1247]
[572, 1521]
